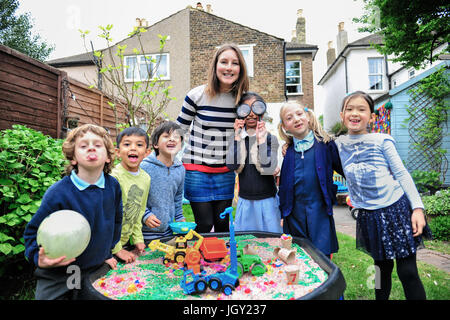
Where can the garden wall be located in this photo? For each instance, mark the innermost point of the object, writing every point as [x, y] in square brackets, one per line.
[44, 98]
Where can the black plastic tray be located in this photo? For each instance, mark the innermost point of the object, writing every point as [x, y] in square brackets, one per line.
[332, 289]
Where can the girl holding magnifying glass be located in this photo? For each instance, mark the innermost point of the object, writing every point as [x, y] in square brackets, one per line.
[253, 155]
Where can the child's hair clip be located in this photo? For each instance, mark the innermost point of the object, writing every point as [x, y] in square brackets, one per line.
[306, 109]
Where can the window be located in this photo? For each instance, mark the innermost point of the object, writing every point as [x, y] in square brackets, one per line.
[247, 52]
[294, 77]
[137, 68]
[411, 73]
[375, 73]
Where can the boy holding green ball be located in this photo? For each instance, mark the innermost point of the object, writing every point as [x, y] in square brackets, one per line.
[89, 190]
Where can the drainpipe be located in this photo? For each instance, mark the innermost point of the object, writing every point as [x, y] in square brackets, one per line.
[284, 68]
[387, 72]
[346, 74]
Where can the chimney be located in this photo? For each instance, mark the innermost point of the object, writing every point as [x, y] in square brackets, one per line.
[141, 22]
[342, 38]
[209, 8]
[300, 27]
[199, 6]
[331, 54]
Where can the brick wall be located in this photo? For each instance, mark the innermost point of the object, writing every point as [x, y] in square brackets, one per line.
[307, 78]
[208, 31]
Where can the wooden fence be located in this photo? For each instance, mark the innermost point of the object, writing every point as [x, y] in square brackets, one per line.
[44, 98]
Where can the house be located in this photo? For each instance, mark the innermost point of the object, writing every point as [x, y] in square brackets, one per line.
[404, 133]
[299, 65]
[193, 35]
[278, 70]
[358, 66]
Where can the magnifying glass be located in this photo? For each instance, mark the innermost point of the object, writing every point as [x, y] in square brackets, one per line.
[258, 107]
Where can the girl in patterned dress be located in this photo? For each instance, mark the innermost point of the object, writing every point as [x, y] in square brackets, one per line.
[391, 219]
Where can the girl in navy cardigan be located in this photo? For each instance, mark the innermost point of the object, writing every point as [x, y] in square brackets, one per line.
[307, 193]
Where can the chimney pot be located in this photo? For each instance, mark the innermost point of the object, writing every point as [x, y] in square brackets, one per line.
[209, 8]
[341, 38]
[199, 6]
[331, 54]
[299, 13]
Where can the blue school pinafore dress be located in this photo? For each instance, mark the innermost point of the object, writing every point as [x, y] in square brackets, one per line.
[309, 217]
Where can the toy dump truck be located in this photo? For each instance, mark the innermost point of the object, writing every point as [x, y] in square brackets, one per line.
[213, 249]
[178, 252]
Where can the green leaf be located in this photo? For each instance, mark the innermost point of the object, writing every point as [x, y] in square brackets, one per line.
[5, 248]
[6, 182]
[24, 198]
[15, 165]
[46, 167]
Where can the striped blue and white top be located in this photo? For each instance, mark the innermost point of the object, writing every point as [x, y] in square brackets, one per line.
[210, 122]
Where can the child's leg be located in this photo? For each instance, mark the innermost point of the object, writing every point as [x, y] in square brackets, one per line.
[51, 284]
[203, 215]
[383, 269]
[219, 206]
[409, 276]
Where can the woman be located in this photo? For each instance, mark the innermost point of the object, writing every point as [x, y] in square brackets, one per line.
[210, 109]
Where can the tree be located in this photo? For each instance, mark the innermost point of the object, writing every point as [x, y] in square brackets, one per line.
[143, 101]
[411, 29]
[15, 32]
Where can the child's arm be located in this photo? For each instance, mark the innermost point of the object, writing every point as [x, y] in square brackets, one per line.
[402, 175]
[179, 202]
[268, 155]
[234, 152]
[149, 219]
[48, 206]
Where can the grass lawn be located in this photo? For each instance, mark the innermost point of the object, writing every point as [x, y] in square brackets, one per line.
[358, 271]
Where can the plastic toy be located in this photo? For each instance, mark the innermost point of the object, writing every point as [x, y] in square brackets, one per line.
[182, 227]
[213, 249]
[179, 252]
[226, 281]
[197, 285]
[249, 262]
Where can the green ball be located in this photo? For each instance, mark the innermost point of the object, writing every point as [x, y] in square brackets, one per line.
[64, 233]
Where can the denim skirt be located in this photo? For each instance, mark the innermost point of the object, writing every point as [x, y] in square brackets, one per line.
[386, 233]
[205, 187]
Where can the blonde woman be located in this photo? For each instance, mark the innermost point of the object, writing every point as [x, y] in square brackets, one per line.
[211, 110]
[307, 193]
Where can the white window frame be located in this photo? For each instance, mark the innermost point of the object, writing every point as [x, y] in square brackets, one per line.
[299, 77]
[137, 72]
[381, 74]
[248, 58]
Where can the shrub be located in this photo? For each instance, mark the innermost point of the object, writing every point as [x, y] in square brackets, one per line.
[426, 180]
[440, 227]
[30, 162]
[438, 204]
